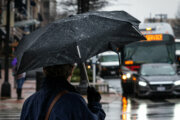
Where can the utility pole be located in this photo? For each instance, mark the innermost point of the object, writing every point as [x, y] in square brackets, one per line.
[163, 17]
[6, 87]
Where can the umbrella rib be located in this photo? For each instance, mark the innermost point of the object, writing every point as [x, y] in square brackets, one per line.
[78, 51]
[137, 30]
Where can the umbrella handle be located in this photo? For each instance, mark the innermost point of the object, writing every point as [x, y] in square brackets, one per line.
[84, 67]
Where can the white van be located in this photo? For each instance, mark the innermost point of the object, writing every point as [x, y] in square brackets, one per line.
[108, 63]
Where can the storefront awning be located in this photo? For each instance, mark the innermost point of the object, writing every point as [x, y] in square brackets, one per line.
[26, 23]
[2, 31]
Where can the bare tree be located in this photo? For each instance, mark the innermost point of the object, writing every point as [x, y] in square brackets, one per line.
[70, 7]
[66, 7]
[97, 4]
[176, 24]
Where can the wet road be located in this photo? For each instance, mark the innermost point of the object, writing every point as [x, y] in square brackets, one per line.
[121, 108]
[131, 108]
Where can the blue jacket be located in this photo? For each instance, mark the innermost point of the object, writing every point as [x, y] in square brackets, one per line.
[70, 106]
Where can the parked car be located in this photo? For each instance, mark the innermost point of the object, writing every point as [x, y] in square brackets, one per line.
[108, 64]
[157, 79]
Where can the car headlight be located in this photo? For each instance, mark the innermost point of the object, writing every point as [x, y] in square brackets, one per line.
[177, 82]
[128, 75]
[142, 83]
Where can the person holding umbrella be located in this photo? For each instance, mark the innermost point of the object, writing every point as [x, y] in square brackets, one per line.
[59, 100]
[61, 43]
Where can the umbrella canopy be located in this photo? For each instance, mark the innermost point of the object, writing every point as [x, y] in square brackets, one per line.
[77, 38]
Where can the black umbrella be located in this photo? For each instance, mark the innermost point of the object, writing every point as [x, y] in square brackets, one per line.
[77, 38]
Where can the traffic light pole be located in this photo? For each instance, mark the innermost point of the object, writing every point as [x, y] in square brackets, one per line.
[6, 87]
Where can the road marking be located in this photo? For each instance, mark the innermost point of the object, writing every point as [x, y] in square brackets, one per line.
[9, 115]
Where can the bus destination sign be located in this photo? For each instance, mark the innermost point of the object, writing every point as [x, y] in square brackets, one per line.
[154, 37]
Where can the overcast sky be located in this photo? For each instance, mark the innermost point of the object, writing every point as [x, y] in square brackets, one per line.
[142, 9]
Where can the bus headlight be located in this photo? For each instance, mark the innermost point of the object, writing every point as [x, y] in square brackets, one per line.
[128, 75]
[124, 77]
[177, 82]
[142, 83]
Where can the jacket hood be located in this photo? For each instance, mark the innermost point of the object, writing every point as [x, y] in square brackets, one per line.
[57, 84]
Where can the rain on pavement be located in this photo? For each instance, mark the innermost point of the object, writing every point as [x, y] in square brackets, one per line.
[121, 108]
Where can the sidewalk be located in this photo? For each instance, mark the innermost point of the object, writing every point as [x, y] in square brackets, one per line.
[13, 103]
[29, 88]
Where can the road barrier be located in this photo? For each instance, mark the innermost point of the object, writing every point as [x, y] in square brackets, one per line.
[101, 87]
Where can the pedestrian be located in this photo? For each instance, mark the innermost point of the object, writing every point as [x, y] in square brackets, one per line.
[19, 79]
[59, 100]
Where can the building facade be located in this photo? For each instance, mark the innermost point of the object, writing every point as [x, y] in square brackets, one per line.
[25, 17]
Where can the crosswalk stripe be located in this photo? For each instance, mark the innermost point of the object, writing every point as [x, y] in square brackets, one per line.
[12, 115]
[9, 118]
[8, 115]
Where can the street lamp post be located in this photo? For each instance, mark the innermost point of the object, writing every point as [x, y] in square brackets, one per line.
[6, 87]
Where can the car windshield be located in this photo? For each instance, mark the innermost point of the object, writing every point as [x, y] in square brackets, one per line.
[109, 58]
[157, 70]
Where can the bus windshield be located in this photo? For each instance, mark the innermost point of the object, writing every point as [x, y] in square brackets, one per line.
[145, 54]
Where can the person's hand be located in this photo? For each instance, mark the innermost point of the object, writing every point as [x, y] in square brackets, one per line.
[93, 95]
